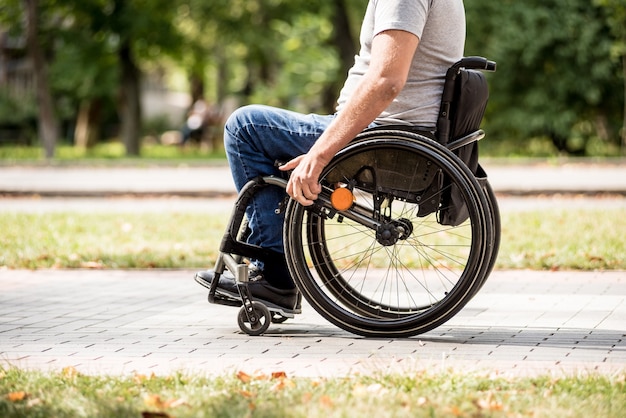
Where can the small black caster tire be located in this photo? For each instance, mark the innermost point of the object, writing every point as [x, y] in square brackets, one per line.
[260, 323]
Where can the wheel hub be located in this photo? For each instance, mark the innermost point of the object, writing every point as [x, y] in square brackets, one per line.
[389, 233]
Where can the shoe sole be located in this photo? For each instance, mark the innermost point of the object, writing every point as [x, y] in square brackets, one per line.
[272, 307]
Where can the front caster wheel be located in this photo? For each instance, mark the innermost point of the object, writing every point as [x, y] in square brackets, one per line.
[254, 319]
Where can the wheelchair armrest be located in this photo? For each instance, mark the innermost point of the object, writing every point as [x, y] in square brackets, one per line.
[467, 139]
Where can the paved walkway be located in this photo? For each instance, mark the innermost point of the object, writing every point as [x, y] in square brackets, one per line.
[215, 180]
[119, 322]
[520, 323]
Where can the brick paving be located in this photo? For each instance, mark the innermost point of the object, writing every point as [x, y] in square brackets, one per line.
[121, 322]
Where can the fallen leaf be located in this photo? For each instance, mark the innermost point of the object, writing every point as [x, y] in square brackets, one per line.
[456, 411]
[154, 401]
[17, 396]
[489, 405]
[279, 375]
[283, 384]
[140, 378]
[69, 372]
[94, 265]
[246, 394]
[326, 401]
[244, 377]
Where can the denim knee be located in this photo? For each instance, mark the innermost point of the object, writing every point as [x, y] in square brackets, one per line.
[234, 122]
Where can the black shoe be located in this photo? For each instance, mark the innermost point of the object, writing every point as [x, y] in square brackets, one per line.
[205, 278]
[259, 288]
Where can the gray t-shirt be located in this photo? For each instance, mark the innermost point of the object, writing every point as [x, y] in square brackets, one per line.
[440, 26]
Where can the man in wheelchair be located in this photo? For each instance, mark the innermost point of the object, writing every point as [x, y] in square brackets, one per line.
[397, 78]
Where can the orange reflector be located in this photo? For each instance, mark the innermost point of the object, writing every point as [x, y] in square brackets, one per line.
[342, 198]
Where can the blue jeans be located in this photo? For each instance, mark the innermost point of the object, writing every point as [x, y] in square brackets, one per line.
[255, 137]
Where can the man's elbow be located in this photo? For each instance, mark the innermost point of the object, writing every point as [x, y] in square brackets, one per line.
[391, 86]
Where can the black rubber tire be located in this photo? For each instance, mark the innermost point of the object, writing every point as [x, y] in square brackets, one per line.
[400, 288]
[262, 315]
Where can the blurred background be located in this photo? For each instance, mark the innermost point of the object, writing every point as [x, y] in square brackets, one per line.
[158, 77]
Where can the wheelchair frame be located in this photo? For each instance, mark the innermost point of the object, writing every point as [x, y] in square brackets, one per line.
[394, 218]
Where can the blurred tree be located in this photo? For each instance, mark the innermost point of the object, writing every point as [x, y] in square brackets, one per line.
[95, 49]
[555, 77]
[138, 30]
[85, 69]
[29, 20]
[254, 46]
[282, 53]
[615, 13]
[561, 63]
[48, 123]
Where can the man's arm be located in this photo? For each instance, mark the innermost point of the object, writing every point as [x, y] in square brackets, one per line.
[392, 54]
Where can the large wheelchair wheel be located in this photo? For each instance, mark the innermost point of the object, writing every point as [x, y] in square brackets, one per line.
[494, 217]
[387, 266]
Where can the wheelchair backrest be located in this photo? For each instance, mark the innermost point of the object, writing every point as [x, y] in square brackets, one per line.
[464, 99]
[463, 104]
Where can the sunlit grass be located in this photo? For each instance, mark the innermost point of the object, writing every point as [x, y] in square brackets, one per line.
[108, 152]
[546, 239]
[420, 394]
[564, 239]
[79, 240]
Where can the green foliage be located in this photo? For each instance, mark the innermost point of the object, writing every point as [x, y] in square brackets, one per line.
[615, 14]
[555, 74]
[561, 63]
[14, 111]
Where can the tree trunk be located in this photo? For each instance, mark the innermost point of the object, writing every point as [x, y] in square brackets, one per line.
[222, 76]
[197, 89]
[130, 100]
[87, 130]
[48, 125]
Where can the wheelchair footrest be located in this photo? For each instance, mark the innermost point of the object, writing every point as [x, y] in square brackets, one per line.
[222, 299]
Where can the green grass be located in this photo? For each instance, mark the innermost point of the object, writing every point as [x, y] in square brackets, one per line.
[423, 394]
[584, 239]
[546, 239]
[108, 152]
[78, 240]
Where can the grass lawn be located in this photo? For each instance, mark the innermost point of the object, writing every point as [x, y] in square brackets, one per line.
[451, 394]
[580, 239]
[110, 153]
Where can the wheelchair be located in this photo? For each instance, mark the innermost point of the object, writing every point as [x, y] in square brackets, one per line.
[405, 231]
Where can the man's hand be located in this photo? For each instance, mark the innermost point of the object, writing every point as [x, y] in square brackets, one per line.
[303, 185]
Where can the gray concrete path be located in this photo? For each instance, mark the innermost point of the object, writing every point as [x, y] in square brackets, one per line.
[520, 323]
[121, 322]
[215, 180]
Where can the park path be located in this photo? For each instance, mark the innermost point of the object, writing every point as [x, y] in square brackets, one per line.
[144, 321]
